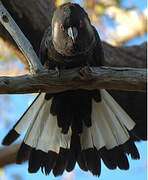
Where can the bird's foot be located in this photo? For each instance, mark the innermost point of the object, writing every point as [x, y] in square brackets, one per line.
[86, 72]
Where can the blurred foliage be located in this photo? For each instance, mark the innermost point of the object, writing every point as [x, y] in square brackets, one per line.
[2, 174]
[9, 65]
[59, 2]
[5, 53]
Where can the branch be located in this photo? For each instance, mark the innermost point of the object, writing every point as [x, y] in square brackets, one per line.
[8, 155]
[23, 44]
[96, 78]
[130, 23]
[32, 20]
[125, 56]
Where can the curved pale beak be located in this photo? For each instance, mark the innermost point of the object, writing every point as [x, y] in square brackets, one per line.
[73, 33]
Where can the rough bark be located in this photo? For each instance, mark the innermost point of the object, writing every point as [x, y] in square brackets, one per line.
[125, 56]
[85, 78]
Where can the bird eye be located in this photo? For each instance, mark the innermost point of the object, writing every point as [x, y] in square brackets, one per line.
[62, 27]
[81, 24]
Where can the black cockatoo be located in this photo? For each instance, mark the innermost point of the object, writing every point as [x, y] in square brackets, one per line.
[74, 126]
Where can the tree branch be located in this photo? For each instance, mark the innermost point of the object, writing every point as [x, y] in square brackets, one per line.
[125, 56]
[97, 78]
[32, 20]
[8, 155]
[23, 44]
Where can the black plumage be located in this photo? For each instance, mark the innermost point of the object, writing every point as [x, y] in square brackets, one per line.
[49, 162]
[81, 162]
[92, 160]
[61, 162]
[75, 149]
[108, 157]
[65, 128]
[35, 160]
[130, 148]
[11, 137]
[23, 153]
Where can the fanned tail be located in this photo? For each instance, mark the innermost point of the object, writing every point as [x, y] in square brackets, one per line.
[108, 137]
[44, 144]
[51, 146]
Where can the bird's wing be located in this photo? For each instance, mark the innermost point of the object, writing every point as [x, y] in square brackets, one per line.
[43, 46]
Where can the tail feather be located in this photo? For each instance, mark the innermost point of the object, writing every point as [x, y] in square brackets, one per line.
[123, 117]
[107, 128]
[81, 162]
[44, 133]
[49, 162]
[108, 158]
[29, 115]
[75, 149]
[109, 133]
[36, 127]
[23, 123]
[92, 161]
[50, 145]
[47, 147]
[23, 153]
[44, 144]
[130, 148]
[39, 159]
[35, 160]
[10, 137]
[61, 162]
[71, 162]
[121, 158]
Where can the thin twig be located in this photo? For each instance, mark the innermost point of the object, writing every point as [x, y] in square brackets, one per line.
[23, 44]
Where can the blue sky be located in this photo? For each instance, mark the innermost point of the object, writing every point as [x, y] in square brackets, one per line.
[18, 105]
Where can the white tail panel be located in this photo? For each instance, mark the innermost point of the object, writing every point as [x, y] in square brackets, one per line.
[118, 111]
[29, 115]
[109, 123]
[44, 133]
[86, 138]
